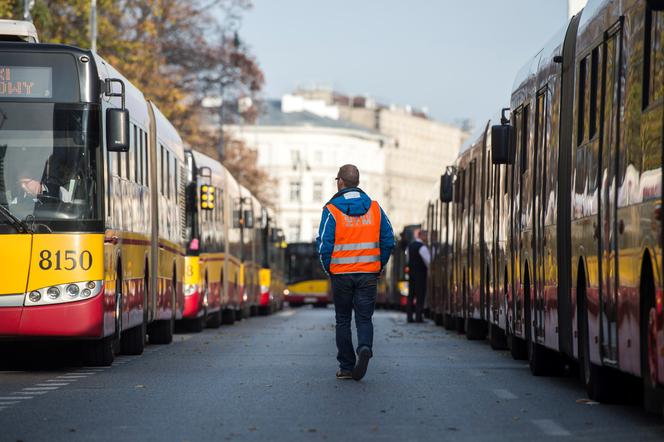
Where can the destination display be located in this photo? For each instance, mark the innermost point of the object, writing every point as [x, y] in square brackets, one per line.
[26, 82]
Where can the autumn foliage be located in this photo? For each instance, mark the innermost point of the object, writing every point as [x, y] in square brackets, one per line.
[177, 52]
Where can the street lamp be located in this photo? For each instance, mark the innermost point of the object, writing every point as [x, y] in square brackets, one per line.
[300, 165]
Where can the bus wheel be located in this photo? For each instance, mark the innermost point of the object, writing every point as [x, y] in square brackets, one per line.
[439, 319]
[100, 353]
[475, 329]
[133, 340]
[518, 348]
[197, 325]
[161, 332]
[653, 396]
[448, 321]
[228, 316]
[596, 379]
[497, 338]
[214, 320]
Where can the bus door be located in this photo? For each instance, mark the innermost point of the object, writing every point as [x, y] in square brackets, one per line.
[607, 179]
[540, 170]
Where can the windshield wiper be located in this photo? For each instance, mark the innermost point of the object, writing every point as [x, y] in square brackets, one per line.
[17, 223]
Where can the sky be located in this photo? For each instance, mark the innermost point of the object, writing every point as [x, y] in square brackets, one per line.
[458, 58]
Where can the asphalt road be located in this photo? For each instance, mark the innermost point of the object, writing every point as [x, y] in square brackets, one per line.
[273, 379]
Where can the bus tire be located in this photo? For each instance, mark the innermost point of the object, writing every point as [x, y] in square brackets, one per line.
[214, 320]
[196, 325]
[653, 395]
[264, 310]
[475, 329]
[597, 380]
[162, 331]
[439, 319]
[448, 322]
[518, 349]
[228, 316]
[497, 337]
[133, 340]
[100, 353]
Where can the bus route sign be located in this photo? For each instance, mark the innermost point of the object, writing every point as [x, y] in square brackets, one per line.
[26, 82]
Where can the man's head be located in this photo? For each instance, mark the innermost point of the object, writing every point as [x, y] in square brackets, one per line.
[420, 234]
[348, 176]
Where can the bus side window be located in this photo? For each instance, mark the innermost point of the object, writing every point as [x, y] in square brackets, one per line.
[162, 171]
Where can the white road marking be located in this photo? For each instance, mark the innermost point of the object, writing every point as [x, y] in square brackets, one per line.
[40, 388]
[5, 403]
[551, 427]
[2, 408]
[504, 394]
[70, 376]
[30, 392]
[88, 373]
[287, 313]
[53, 384]
[13, 398]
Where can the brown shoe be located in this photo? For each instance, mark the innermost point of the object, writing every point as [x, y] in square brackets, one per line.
[343, 374]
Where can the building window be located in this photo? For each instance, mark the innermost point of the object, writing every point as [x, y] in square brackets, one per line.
[294, 232]
[295, 191]
[295, 157]
[318, 191]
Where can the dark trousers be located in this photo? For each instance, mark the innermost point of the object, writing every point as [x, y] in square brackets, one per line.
[353, 292]
[417, 290]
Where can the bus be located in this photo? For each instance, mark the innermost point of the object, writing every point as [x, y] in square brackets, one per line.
[273, 261]
[207, 237]
[307, 282]
[91, 205]
[556, 208]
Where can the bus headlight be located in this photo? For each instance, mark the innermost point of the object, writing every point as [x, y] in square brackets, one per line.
[53, 292]
[286, 292]
[190, 289]
[75, 291]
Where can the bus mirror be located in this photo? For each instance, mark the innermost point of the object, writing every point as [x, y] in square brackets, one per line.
[501, 144]
[117, 130]
[446, 189]
[248, 219]
[204, 172]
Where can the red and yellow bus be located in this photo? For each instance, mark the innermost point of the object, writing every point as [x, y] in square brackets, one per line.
[556, 210]
[91, 205]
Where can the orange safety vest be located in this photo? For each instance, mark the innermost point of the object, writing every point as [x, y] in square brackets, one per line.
[356, 241]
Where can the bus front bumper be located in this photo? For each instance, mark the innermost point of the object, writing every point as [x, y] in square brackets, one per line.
[82, 319]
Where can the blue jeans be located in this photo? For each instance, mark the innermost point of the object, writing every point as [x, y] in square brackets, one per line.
[354, 291]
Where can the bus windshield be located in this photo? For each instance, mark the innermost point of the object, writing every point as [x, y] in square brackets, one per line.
[303, 263]
[48, 164]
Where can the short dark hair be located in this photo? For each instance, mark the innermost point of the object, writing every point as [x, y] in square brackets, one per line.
[350, 175]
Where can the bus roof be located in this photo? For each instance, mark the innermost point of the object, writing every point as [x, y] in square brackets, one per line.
[13, 30]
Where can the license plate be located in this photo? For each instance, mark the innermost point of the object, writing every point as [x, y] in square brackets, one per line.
[310, 300]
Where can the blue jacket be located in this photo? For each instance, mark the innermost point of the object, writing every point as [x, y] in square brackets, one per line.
[351, 201]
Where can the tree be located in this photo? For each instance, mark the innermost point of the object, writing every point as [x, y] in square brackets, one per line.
[175, 51]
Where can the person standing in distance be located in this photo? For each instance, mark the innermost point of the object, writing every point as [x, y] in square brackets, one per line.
[419, 259]
[355, 240]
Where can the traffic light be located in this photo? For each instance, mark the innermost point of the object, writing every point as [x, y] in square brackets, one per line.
[207, 197]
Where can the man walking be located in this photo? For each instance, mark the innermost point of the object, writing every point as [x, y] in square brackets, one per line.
[419, 259]
[355, 240]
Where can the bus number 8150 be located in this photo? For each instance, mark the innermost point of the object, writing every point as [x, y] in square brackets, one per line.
[71, 260]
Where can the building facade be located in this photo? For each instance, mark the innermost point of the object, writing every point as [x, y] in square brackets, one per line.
[303, 151]
[304, 138]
